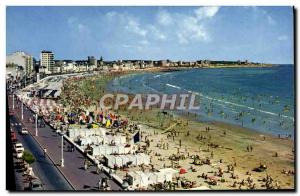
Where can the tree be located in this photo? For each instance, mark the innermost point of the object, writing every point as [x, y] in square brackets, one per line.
[28, 157]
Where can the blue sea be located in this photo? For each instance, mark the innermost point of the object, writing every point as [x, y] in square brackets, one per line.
[257, 98]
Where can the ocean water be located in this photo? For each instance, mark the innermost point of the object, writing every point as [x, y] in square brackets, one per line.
[258, 98]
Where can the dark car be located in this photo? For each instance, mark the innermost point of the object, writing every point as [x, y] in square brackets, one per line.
[36, 185]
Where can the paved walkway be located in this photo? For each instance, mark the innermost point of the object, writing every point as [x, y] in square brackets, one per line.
[43, 167]
[73, 161]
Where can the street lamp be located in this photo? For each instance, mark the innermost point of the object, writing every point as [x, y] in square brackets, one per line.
[62, 150]
[36, 122]
[22, 110]
[13, 101]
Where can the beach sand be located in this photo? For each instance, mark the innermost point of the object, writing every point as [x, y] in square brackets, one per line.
[232, 149]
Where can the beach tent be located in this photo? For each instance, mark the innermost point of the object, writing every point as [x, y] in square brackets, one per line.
[101, 131]
[128, 150]
[152, 178]
[145, 158]
[138, 179]
[96, 150]
[144, 178]
[133, 159]
[118, 161]
[108, 149]
[110, 161]
[85, 141]
[160, 177]
[168, 173]
[139, 158]
[125, 159]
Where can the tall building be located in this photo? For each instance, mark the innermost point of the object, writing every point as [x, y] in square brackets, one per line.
[47, 61]
[21, 59]
[92, 61]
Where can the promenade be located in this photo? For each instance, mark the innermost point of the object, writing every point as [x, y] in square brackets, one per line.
[73, 169]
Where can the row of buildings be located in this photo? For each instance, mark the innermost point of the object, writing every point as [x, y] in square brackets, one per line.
[22, 64]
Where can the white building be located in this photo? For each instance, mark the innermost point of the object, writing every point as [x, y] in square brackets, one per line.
[47, 62]
[20, 59]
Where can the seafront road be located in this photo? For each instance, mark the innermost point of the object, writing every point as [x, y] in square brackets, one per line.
[47, 172]
[73, 169]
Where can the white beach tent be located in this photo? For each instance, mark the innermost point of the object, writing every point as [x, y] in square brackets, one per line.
[160, 177]
[168, 173]
[125, 159]
[144, 178]
[139, 158]
[108, 149]
[133, 159]
[110, 161]
[138, 179]
[118, 161]
[152, 178]
[145, 158]
[101, 131]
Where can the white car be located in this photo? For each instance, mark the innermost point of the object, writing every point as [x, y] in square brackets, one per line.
[19, 154]
[18, 146]
[24, 131]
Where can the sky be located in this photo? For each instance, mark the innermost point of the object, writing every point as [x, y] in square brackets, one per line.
[258, 34]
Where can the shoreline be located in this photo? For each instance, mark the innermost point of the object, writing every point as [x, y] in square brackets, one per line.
[231, 141]
[257, 130]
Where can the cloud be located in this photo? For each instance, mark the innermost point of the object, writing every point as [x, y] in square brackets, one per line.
[172, 27]
[263, 13]
[270, 20]
[156, 33]
[185, 28]
[144, 42]
[110, 14]
[206, 12]
[191, 30]
[282, 37]
[164, 18]
[77, 27]
[126, 22]
[71, 20]
[134, 26]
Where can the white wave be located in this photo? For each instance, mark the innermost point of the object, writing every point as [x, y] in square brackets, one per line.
[173, 86]
[157, 76]
[230, 103]
[239, 105]
[146, 86]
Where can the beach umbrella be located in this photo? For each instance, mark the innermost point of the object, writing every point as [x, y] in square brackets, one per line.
[182, 171]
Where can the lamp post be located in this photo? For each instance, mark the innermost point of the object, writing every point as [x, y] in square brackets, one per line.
[62, 150]
[36, 122]
[13, 97]
[22, 110]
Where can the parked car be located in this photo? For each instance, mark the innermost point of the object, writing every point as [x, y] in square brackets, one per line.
[18, 146]
[24, 131]
[19, 154]
[36, 185]
[13, 136]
